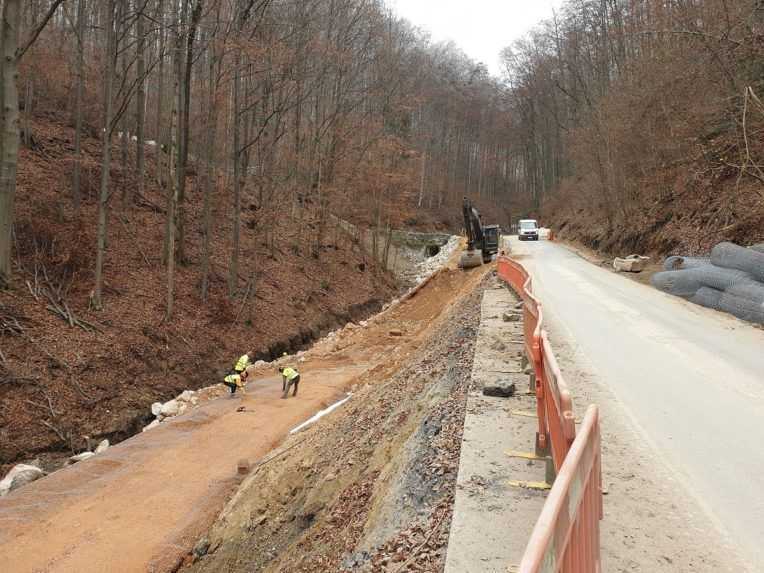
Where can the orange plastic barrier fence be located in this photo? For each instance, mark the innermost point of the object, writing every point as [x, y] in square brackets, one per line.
[554, 406]
[566, 538]
[514, 274]
[561, 423]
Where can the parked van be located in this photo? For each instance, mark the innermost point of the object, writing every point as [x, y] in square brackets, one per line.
[528, 229]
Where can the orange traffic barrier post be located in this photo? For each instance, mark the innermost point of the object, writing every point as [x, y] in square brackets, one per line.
[566, 538]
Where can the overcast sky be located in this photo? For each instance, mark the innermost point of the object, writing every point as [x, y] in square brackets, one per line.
[480, 27]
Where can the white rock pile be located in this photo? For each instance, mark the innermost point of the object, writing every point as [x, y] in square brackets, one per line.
[20, 474]
[432, 264]
[175, 407]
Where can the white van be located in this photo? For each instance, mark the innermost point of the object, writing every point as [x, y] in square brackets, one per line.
[528, 229]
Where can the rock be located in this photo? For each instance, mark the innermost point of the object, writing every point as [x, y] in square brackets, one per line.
[156, 408]
[152, 425]
[260, 364]
[182, 409]
[511, 317]
[186, 395]
[631, 264]
[82, 457]
[194, 401]
[20, 474]
[102, 447]
[330, 477]
[396, 332]
[170, 408]
[499, 389]
[519, 305]
[201, 548]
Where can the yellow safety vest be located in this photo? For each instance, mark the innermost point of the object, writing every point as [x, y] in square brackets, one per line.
[242, 363]
[290, 373]
[234, 379]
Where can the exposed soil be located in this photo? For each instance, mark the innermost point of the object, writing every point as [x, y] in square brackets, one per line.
[59, 383]
[407, 404]
[686, 216]
[369, 488]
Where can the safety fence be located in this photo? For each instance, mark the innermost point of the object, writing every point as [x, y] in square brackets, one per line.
[554, 406]
[566, 537]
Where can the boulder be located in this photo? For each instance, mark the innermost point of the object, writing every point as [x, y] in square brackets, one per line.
[511, 317]
[81, 457]
[186, 395]
[260, 364]
[102, 447]
[500, 389]
[631, 264]
[396, 332]
[152, 425]
[156, 408]
[20, 474]
[194, 401]
[170, 408]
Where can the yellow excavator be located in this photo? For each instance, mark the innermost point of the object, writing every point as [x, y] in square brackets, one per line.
[482, 242]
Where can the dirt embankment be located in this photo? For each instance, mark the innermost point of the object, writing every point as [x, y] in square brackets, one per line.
[60, 383]
[683, 214]
[369, 488]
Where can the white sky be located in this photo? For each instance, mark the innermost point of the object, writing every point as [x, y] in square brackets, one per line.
[479, 27]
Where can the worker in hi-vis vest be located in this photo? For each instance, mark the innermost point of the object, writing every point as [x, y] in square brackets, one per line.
[235, 381]
[241, 364]
[290, 377]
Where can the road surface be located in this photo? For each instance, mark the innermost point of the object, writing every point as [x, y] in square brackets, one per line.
[692, 380]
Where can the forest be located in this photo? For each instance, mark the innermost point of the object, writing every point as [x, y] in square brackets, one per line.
[175, 174]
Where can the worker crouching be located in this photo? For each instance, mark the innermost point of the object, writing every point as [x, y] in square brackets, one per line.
[289, 377]
[236, 382]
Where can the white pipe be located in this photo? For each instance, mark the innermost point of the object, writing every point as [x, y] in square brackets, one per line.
[321, 414]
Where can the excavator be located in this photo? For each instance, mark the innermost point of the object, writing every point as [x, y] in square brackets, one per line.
[482, 241]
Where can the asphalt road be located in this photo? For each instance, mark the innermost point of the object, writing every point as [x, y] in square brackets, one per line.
[692, 379]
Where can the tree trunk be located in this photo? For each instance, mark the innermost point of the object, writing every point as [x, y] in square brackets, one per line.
[108, 82]
[233, 276]
[9, 137]
[76, 191]
[161, 139]
[183, 127]
[209, 174]
[172, 179]
[140, 111]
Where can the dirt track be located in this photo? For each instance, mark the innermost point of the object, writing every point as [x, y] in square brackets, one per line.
[141, 505]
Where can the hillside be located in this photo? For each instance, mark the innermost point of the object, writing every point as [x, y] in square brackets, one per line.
[60, 383]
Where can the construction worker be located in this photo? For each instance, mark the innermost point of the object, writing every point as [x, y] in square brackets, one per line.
[235, 381]
[241, 364]
[289, 376]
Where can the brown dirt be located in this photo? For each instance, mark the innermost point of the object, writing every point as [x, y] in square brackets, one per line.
[372, 486]
[166, 486]
[685, 215]
[60, 383]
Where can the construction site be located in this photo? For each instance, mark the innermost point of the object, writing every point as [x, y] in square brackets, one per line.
[381, 286]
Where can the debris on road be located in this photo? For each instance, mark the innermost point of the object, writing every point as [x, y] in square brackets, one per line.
[499, 389]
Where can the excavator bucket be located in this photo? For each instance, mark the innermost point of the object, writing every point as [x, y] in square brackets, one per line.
[470, 259]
